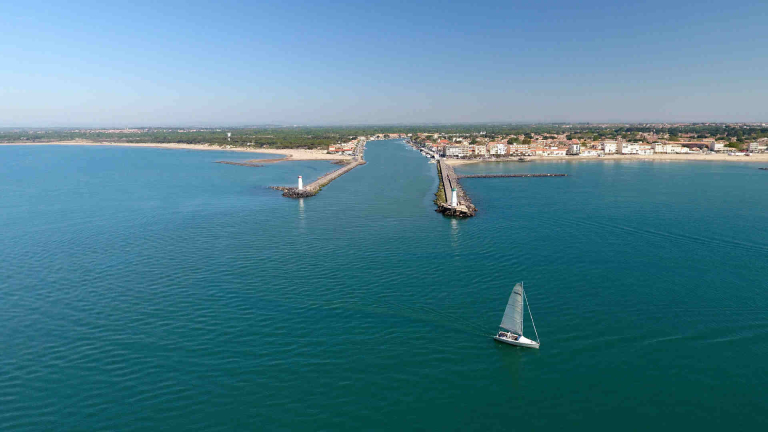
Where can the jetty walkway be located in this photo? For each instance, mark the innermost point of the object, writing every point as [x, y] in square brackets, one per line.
[261, 162]
[313, 188]
[464, 207]
[509, 175]
[449, 181]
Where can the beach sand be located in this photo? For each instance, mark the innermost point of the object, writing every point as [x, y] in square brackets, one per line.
[295, 154]
[714, 157]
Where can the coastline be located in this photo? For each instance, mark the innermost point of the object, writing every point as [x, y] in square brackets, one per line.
[719, 157]
[294, 154]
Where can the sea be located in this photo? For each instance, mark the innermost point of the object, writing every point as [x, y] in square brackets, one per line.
[154, 289]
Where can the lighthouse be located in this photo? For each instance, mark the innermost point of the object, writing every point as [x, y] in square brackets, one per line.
[454, 198]
[301, 185]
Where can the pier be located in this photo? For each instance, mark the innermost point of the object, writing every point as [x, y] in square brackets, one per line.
[452, 200]
[262, 162]
[313, 188]
[449, 203]
[509, 175]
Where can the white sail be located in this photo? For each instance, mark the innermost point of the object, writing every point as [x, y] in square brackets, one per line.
[513, 315]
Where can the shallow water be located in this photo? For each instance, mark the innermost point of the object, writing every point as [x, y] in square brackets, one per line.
[151, 288]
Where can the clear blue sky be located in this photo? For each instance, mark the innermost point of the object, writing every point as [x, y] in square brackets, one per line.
[236, 63]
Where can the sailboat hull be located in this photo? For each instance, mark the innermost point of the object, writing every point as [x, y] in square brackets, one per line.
[522, 341]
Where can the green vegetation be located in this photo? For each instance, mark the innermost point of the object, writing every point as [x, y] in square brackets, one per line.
[322, 137]
[440, 194]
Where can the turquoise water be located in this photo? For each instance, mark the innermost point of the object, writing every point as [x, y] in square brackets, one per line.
[147, 288]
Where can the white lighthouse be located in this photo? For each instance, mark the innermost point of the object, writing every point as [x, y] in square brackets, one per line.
[301, 185]
[454, 198]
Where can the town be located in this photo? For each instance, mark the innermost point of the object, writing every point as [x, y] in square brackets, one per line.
[481, 146]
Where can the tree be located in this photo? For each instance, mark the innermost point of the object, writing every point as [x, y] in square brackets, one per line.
[527, 141]
[513, 140]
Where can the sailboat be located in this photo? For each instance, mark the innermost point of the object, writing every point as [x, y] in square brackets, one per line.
[512, 321]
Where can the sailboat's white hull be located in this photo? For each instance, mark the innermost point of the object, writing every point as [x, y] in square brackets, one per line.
[522, 341]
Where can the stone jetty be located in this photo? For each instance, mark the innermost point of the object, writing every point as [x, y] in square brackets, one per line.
[464, 207]
[313, 188]
[449, 181]
[261, 162]
[248, 164]
[510, 175]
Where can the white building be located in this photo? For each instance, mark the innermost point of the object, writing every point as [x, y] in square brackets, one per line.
[519, 149]
[480, 150]
[574, 149]
[661, 147]
[556, 151]
[716, 146]
[627, 148]
[644, 150]
[457, 150]
[591, 152]
[609, 146]
[752, 147]
[497, 149]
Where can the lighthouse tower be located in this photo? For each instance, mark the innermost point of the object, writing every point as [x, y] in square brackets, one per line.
[301, 184]
[454, 198]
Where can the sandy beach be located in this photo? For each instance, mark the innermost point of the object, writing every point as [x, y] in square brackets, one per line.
[296, 154]
[712, 157]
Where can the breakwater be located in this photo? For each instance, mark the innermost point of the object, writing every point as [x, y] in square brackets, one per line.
[509, 175]
[463, 206]
[248, 164]
[262, 162]
[313, 188]
[448, 181]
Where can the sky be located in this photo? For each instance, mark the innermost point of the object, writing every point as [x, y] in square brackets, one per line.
[169, 63]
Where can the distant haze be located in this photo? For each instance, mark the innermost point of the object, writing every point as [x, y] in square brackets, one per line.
[311, 63]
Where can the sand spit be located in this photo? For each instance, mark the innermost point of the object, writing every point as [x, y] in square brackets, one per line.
[290, 154]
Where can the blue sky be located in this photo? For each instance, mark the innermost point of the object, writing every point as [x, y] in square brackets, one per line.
[375, 62]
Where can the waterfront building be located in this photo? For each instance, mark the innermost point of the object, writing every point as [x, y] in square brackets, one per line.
[480, 150]
[716, 146]
[520, 150]
[348, 148]
[497, 149]
[644, 150]
[752, 147]
[574, 149]
[609, 146]
[457, 150]
[555, 151]
[591, 152]
[627, 148]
